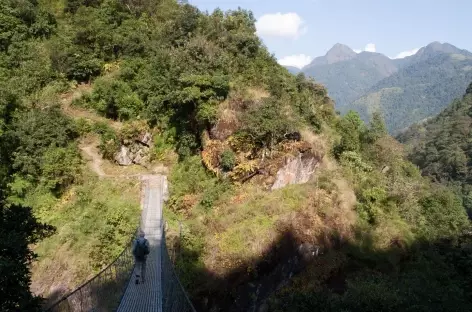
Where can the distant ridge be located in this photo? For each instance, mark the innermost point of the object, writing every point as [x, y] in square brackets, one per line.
[406, 90]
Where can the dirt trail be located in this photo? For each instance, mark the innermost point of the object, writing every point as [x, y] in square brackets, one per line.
[78, 112]
[89, 150]
[96, 163]
[95, 160]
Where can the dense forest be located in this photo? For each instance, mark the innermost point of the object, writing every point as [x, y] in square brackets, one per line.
[417, 91]
[225, 117]
[441, 147]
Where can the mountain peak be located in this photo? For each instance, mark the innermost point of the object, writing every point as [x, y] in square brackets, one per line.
[437, 46]
[338, 53]
[340, 47]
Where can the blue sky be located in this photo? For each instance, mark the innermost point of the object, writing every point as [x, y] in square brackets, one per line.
[298, 30]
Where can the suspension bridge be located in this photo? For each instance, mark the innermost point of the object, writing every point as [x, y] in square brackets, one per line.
[114, 288]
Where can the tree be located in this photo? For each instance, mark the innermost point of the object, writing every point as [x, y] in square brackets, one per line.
[266, 124]
[377, 128]
[469, 89]
[444, 214]
[18, 229]
[8, 105]
[351, 128]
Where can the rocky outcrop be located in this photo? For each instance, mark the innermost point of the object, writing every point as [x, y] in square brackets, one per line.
[297, 170]
[226, 125]
[135, 151]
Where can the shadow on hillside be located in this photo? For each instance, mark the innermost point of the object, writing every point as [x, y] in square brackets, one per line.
[102, 294]
[243, 289]
[424, 276]
[335, 275]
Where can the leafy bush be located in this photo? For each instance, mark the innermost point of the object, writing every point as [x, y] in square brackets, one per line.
[115, 99]
[163, 143]
[212, 194]
[444, 214]
[131, 130]
[266, 124]
[351, 128]
[109, 141]
[36, 132]
[84, 126]
[228, 160]
[59, 167]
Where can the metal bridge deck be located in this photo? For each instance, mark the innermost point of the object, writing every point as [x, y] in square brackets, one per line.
[147, 297]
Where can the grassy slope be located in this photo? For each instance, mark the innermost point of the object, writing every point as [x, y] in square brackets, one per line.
[94, 220]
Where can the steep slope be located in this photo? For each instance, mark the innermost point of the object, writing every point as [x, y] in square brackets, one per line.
[442, 148]
[347, 75]
[420, 89]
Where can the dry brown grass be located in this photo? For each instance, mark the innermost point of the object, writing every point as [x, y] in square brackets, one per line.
[258, 93]
[317, 142]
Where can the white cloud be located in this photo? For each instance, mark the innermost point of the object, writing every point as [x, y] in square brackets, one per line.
[370, 47]
[298, 60]
[288, 25]
[406, 53]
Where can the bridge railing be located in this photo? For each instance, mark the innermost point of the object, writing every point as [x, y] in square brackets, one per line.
[103, 292]
[174, 297]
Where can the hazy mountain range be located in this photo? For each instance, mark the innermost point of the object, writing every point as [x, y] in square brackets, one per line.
[405, 90]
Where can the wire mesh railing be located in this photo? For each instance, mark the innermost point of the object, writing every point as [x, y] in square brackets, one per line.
[174, 297]
[103, 292]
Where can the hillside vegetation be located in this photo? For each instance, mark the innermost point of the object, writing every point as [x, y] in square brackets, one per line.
[423, 88]
[441, 146]
[225, 117]
[348, 75]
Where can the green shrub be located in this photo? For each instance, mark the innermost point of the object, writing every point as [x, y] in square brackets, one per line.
[109, 141]
[59, 167]
[213, 193]
[84, 126]
[444, 214]
[266, 123]
[163, 143]
[227, 160]
[115, 99]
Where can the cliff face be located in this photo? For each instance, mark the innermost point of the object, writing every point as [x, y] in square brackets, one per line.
[297, 170]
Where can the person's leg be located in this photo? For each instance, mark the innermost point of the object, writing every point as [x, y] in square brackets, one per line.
[143, 269]
[137, 268]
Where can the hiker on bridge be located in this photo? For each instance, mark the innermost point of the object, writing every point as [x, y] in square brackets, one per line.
[140, 252]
